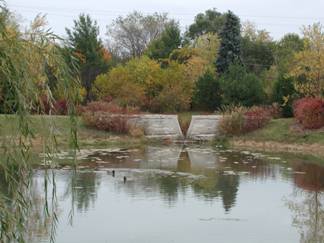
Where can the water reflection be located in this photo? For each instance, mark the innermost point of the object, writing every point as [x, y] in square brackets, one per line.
[307, 202]
[211, 174]
[83, 187]
[215, 184]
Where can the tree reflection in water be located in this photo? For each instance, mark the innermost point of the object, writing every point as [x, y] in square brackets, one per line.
[198, 172]
[307, 203]
[30, 208]
[82, 189]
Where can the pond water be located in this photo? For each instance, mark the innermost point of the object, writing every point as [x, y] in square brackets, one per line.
[181, 194]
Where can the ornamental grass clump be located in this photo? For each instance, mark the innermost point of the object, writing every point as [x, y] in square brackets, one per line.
[239, 120]
[232, 122]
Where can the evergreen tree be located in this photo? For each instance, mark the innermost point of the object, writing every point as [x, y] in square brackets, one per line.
[162, 47]
[240, 87]
[87, 47]
[230, 49]
[207, 95]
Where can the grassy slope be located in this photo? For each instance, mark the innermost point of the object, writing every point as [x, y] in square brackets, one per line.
[279, 130]
[87, 137]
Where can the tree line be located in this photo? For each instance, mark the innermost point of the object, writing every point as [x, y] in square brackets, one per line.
[149, 63]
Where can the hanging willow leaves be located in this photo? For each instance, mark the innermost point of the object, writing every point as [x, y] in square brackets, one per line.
[25, 58]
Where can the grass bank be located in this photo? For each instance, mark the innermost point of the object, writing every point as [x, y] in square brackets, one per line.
[87, 137]
[282, 135]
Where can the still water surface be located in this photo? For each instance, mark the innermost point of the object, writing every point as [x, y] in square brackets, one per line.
[184, 194]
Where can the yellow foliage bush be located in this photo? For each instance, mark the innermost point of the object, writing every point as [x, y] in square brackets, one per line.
[142, 82]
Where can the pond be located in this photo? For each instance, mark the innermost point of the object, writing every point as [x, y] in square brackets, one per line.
[179, 194]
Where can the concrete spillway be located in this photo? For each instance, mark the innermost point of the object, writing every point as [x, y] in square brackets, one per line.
[203, 127]
[167, 126]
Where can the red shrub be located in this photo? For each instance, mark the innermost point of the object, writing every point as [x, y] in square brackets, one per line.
[107, 116]
[107, 122]
[61, 107]
[310, 112]
[256, 117]
[109, 107]
[240, 120]
[274, 110]
[45, 106]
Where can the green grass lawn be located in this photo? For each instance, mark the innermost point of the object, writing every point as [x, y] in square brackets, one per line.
[280, 130]
[87, 137]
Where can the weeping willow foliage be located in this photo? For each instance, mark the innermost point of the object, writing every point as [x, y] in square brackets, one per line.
[25, 58]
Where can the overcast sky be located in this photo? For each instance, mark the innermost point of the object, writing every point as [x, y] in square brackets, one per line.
[276, 16]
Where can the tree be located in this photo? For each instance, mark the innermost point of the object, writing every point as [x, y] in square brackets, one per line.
[24, 57]
[87, 48]
[250, 31]
[284, 94]
[163, 46]
[207, 94]
[257, 49]
[142, 82]
[230, 48]
[135, 83]
[306, 202]
[240, 87]
[130, 36]
[211, 21]
[308, 65]
[177, 90]
[207, 47]
[194, 64]
[285, 50]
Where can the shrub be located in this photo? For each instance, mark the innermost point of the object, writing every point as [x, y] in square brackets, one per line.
[61, 107]
[107, 116]
[309, 112]
[275, 110]
[56, 107]
[240, 120]
[109, 107]
[232, 122]
[255, 118]
[107, 122]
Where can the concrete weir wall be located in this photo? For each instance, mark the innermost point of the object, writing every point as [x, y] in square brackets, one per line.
[203, 127]
[159, 126]
[167, 126]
